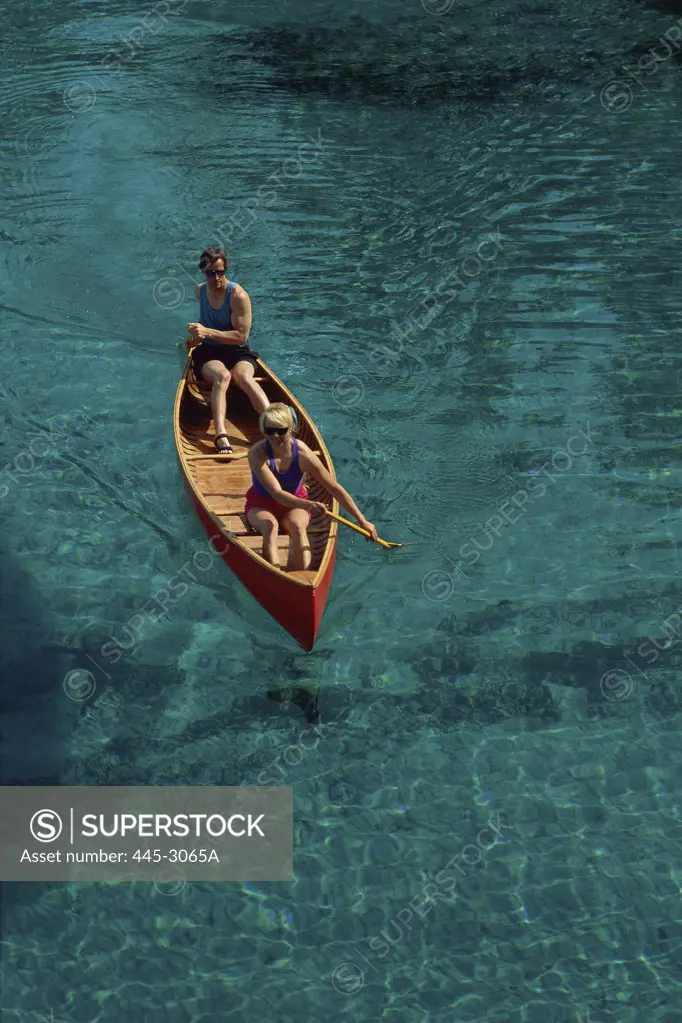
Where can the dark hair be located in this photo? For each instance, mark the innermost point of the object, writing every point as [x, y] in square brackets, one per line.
[210, 255]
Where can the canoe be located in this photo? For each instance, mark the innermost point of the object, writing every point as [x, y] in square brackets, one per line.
[217, 486]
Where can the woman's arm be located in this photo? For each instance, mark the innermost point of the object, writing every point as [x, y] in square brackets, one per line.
[258, 461]
[311, 463]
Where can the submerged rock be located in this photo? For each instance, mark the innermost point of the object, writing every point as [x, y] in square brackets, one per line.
[471, 54]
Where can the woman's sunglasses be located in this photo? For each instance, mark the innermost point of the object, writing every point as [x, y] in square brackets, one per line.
[215, 273]
[279, 430]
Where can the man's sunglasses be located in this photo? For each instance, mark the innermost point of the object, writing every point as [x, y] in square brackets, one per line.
[215, 273]
[279, 430]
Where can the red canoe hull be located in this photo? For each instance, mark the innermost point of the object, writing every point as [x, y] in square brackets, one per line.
[297, 608]
[218, 486]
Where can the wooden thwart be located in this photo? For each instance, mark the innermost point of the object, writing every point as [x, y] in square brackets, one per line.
[255, 542]
[235, 503]
[224, 458]
[233, 522]
[201, 390]
[219, 454]
[201, 385]
[307, 577]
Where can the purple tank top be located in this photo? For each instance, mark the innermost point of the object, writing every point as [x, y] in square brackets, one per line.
[289, 480]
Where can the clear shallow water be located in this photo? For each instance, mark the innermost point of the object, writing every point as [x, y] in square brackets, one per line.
[497, 670]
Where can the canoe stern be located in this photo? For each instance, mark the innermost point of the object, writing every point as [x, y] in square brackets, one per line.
[298, 607]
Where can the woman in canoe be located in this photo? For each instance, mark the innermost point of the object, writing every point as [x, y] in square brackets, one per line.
[277, 496]
[221, 353]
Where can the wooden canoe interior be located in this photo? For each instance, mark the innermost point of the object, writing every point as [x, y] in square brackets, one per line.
[222, 483]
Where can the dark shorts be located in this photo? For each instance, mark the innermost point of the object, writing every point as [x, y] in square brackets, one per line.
[229, 355]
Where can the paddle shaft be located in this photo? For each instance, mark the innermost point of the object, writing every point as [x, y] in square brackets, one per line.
[358, 529]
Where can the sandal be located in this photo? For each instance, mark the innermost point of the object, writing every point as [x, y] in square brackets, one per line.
[227, 449]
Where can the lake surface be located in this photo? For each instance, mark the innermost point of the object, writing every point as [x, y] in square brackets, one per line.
[459, 228]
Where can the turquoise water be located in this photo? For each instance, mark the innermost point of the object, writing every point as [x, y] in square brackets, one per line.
[460, 235]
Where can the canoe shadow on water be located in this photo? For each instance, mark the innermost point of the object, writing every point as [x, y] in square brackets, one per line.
[34, 709]
[306, 700]
[35, 715]
[556, 668]
[417, 60]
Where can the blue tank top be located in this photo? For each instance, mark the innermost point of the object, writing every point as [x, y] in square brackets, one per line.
[289, 480]
[216, 319]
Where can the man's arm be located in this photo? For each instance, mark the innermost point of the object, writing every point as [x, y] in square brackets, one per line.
[193, 339]
[241, 321]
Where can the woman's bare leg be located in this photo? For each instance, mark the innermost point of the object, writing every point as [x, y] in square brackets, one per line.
[243, 376]
[267, 525]
[296, 524]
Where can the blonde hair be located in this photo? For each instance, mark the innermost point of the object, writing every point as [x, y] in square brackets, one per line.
[278, 414]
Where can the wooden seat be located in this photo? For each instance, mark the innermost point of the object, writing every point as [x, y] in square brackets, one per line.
[201, 390]
[234, 522]
[254, 542]
[306, 577]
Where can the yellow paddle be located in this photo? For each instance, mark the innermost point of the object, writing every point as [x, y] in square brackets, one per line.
[359, 529]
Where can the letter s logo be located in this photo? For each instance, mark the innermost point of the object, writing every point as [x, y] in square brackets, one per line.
[265, 780]
[440, 880]
[46, 825]
[533, 484]
[112, 652]
[469, 553]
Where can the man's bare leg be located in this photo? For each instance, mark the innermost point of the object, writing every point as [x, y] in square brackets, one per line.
[243, 375]
[215, 373]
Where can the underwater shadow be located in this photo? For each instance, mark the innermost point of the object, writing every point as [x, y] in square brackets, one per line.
[34, 708]
[35, 712]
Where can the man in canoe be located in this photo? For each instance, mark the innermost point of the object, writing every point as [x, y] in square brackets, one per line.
[277, 496]
[221, 354]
